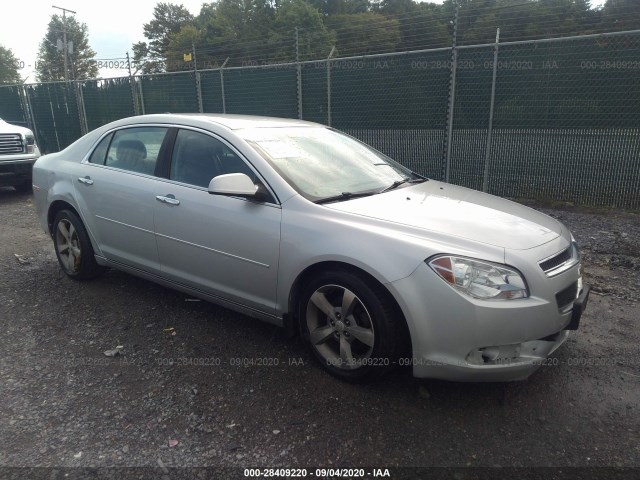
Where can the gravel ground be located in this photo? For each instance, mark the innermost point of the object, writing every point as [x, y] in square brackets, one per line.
[177, 397]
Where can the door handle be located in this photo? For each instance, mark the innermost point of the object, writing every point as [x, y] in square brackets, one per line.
[86, 180]
[170, 199]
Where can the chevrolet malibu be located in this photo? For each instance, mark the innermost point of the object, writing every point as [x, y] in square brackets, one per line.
[305, 227]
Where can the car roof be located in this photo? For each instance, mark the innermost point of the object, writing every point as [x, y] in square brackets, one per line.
[230, 121]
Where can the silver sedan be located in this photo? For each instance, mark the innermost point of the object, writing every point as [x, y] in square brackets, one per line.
[300, 225]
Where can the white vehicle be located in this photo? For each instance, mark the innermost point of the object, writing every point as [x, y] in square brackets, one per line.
[18, 153]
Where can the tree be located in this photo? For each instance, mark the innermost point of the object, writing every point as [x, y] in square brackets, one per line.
[570, 17]
[181, 43]
[250, 31]
[315, 40]
[422, 25]
[141, 60]
[339, 7]
[80, 57]
[8, 67]
[167, 19]
[237, 29]
[621, 15]
[363, 33]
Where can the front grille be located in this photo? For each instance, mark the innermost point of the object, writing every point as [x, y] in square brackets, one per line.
[11, 143]
[556, 260]
[567, 296]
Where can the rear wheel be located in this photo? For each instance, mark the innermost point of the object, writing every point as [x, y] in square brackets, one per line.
[73, 247]
[348, 323]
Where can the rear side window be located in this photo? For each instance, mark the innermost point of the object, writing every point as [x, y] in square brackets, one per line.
[100, 153]
[136, 149]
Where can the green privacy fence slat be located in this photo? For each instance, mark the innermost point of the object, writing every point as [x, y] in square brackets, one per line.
[174, 93]
[567, 118]
[591, 83]
[419, 150]
[586, 166]
[10, 106]
[395, 92]
[566, 113]
[210, 85]
[55, 111]
[471, 117]
[107, 100]
[262, 91]
[314, 92]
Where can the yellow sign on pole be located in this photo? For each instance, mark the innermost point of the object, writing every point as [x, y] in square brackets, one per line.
[187, 57]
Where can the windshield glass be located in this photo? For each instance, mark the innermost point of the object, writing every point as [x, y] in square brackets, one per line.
[321, 163]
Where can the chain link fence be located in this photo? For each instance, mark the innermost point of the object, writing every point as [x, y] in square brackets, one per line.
[107, 100]
[553, 119]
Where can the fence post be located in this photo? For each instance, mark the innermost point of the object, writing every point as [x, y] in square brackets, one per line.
[141, 92]
[53, 118]
[22, 93]
[82, 112]
[197, 74]
[224, 100]
[299, 72]
[485, 181]
[134, 99]
[452, 97]
[32, 119]
[333, 49]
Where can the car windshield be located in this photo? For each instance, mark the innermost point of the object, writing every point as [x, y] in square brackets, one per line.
[323, 164]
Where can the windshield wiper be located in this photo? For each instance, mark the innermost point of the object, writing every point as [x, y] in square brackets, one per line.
[397, 183]
[349, 195]
[344, 196]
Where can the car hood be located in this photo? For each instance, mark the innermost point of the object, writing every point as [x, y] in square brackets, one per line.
[457, 211]
[10, 128]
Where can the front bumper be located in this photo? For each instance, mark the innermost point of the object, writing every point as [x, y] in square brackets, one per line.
[15, 170]
[463, 339]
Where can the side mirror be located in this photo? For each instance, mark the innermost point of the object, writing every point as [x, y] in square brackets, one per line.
[233, 184]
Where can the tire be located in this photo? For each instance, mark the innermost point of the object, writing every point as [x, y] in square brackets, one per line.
[360, 346]
[24, 186]
[73, 247]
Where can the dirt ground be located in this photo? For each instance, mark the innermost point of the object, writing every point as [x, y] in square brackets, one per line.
[185, 394]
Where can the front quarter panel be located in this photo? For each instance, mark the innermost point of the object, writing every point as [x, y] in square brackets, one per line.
[312, 234]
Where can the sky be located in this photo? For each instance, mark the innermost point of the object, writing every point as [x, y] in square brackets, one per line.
[113, 27]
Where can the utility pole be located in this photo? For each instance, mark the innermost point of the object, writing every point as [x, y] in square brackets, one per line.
[65, 48]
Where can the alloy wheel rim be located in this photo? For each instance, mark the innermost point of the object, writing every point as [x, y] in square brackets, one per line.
[68, 245]
[340, 327]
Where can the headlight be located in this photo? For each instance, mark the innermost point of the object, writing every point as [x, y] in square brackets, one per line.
[480, 279]
[30, 142]
[576, 251]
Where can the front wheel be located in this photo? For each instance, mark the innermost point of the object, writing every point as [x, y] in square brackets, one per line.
[73, 247]
[348, 322]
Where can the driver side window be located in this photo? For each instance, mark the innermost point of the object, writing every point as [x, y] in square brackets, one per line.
[197, 158]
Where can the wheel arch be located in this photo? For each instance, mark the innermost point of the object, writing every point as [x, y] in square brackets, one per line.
[323, 266]
[59, 205]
